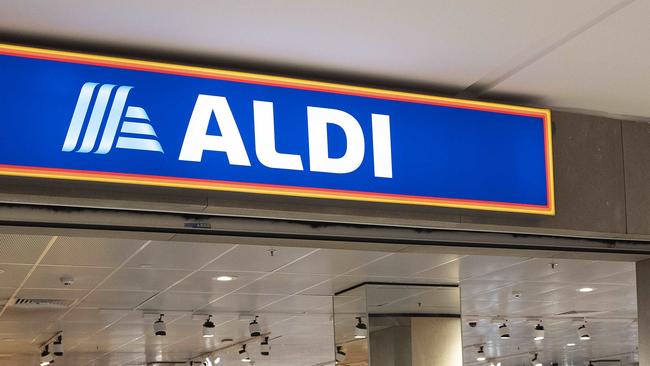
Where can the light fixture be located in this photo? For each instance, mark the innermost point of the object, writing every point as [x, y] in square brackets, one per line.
[46, 356]
[504, 333]
[265, 347]
[57, 346]
[539, 331]
[570, 344]
[583, 333]
[534, 360]
[340, 355]
[585, 289]
[480, 354]
[217, 360]
[159, 327]
[361, 329]
[208, 328]
[224, 278]
[207, 361]
[255, 328]
[243, 354]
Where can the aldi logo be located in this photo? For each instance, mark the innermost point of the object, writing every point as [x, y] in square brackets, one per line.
[135, 132]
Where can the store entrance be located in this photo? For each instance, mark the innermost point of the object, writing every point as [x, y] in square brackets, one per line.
[107, 294]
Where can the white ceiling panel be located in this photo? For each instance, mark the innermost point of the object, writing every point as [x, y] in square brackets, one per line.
[179, 301]
[257, 258]
[177, 255]
[530, 270]
[470, 266]
[241, 302]
[99, 252]
[139, 279]
[404, 264]
[22, 249]
[300, 303]
[50, 277]
[332, 261]
[13, 274]
[205, 281]
[283, 284]
[106, 299]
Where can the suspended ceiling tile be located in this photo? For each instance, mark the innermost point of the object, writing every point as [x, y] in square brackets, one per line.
[177, 255]
[139, 279]
[22, 249]
[528, 270]
[13, 274]
[331, 262]
[99, 252]
[300, 303]
[283, 284]
[624, 278]
[241, 302]
[588, 272]
[334, 285]
[50, 277]
[105, 299]
[205, 281]
[179, 301]
[257, 258]
[404, 264]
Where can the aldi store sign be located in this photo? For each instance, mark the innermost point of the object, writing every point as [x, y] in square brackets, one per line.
[71, 116]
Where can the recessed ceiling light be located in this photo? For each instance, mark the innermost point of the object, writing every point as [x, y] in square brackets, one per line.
[585, 289]
[570, 344]
[224, 278]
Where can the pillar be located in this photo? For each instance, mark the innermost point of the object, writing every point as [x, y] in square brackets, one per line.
[643, 310]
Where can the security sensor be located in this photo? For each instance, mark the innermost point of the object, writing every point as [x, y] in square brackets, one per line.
[67, 280]
[516, 294]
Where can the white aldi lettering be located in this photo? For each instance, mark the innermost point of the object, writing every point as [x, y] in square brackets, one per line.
[230, 142]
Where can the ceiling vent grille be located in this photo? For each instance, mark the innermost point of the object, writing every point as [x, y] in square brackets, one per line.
[24, 303]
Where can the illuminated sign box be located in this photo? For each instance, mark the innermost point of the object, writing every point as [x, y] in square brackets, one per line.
[84, 117]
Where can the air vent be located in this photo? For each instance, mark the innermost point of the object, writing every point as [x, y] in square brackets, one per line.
[42, 303]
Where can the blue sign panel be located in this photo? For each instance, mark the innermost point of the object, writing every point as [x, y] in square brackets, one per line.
[72, 116]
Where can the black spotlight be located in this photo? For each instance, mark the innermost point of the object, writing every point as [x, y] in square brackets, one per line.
[265, 347]
[255, 328]
[243, 354]
[46, 356]
[340, 355]
[361, 329]
[208, 328]
[504, 333]
[159, 327]
[58, 346]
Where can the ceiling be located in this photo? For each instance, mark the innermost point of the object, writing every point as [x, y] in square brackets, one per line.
[578, 55]
[118, 282]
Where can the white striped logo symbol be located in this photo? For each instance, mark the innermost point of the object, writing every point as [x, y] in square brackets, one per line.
[135, 131]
